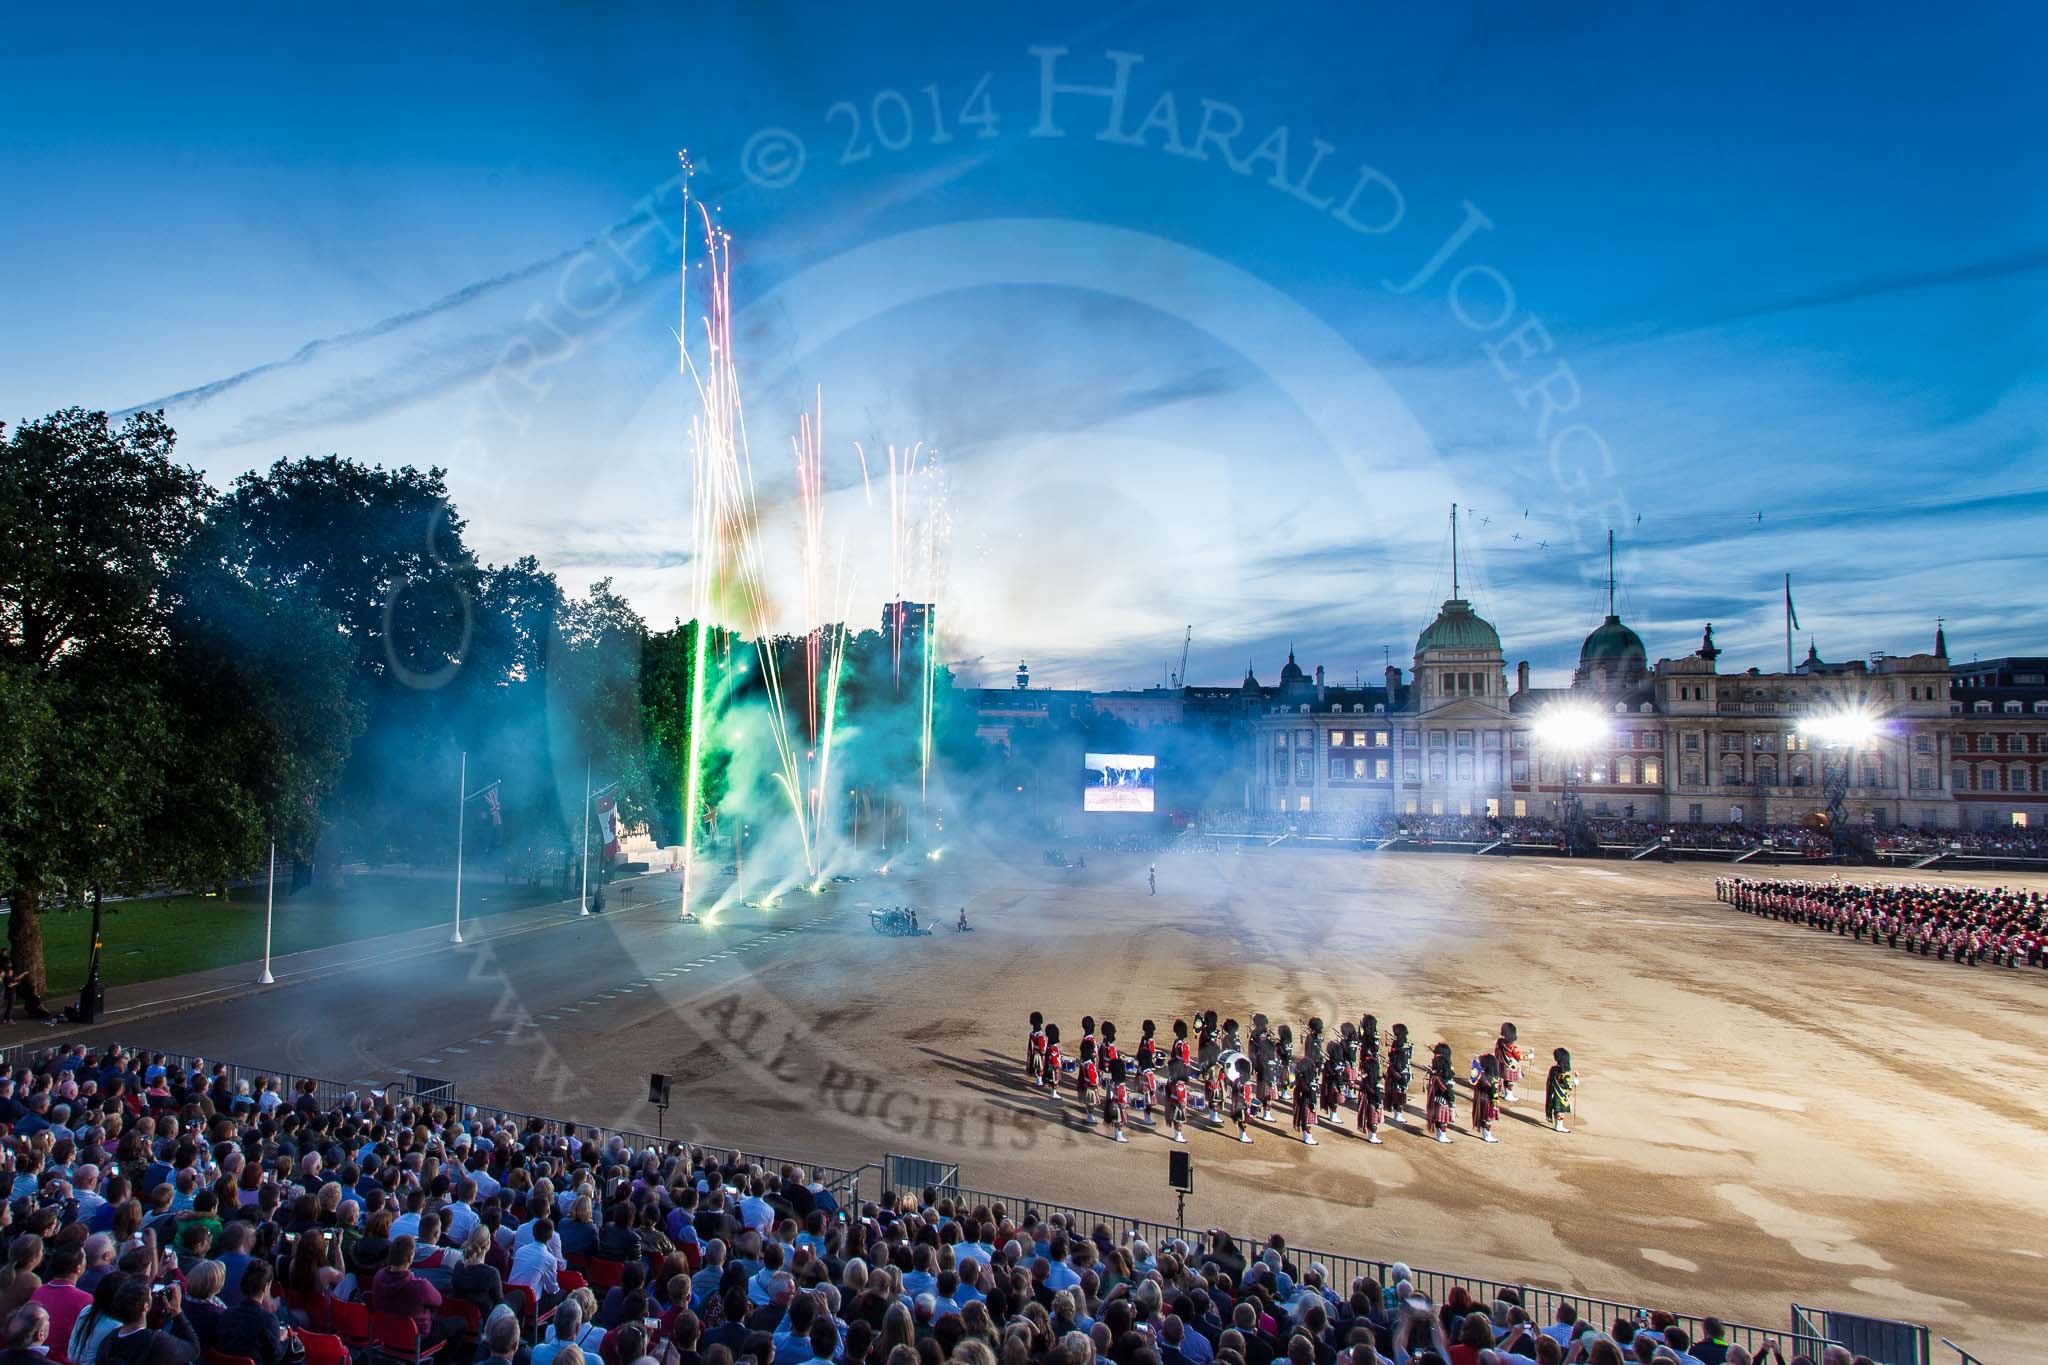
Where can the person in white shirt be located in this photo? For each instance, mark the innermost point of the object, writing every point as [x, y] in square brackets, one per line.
[756, 1212]
[534, 1264]
[461, 1215]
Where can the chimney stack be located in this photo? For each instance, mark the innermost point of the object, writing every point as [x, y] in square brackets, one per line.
[1522, 676]
[1393, 683]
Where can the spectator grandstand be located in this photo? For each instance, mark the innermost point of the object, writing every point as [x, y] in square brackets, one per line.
[265, 1219]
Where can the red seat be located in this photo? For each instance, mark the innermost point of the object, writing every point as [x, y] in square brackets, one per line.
[399, 1338]
[314, 1305]
[570, 1281]
[324, 1348]
[526, 1304]
[605, 1275]
[351, 1322]
[214, 1357]
[472, 1316]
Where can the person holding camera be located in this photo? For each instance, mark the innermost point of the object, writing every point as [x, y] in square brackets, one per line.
[152, 1328]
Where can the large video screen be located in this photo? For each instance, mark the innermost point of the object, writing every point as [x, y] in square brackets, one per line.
[1121, 782]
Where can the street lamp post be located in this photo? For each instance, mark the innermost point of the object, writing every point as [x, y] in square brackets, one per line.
[269, 905]
[461, 811]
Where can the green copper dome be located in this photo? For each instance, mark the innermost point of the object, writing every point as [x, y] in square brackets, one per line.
[1457, 626]
[1611, 640]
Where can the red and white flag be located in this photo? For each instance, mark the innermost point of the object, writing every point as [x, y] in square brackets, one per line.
[608, 824]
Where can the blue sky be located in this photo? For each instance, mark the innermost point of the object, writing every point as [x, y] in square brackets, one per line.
[1794, 262]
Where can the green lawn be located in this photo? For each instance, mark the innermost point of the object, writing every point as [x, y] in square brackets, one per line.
[146, 940]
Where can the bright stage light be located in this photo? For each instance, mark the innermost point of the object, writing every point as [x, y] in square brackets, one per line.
[1570, 729]
[1847, 726]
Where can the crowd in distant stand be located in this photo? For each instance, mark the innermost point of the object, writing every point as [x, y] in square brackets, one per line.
[1970, 925]
[159, 1212]
[2009, 843]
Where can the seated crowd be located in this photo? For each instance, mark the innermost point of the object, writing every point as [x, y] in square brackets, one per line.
[1964, 924]
[1989, 843]
[161, 1212]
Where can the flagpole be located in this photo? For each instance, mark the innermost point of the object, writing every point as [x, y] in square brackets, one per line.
[269, 904]
[461, 803]
[583, 895]
[1788, 623]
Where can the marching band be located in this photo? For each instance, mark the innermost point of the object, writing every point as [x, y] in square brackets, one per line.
[1241, 1079]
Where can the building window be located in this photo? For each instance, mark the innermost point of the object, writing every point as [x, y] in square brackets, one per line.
[1411, 771]
[1464, 739]
[1379, 739]
[1519, 740]
[1304, 804]
[1650, 772]
[1439, 738]
[1411, 739]
[1692, 742]
[1380, 767]
[1437, 767]
[1336, 739]
[1521, 810]
[1489, 739]
[1518, 770]
[1304, 769]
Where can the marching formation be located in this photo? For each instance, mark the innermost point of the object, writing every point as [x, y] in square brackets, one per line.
[1963, 924]
[1236, 1080]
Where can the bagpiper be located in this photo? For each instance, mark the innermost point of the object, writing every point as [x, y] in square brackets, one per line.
[1034, 1050]
[1369, 1094]
[1508, 1057]
[1305, 1096]
[1560, 1089]
[1486, 1098]
[1441, 1095]
[1053, 1064]
[1332, 1087]
[1400, 1062]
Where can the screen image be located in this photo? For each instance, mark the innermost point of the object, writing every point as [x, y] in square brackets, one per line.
[1118, 782]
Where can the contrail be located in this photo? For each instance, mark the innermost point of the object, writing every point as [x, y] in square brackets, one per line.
[313, 350]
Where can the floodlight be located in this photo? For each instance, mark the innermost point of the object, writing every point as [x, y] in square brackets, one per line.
[1570, 729]
[1844, 727]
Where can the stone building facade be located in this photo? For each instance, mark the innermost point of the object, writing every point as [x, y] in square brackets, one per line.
[1684, 742]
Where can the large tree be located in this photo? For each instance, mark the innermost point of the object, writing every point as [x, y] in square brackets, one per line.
[92, 519]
